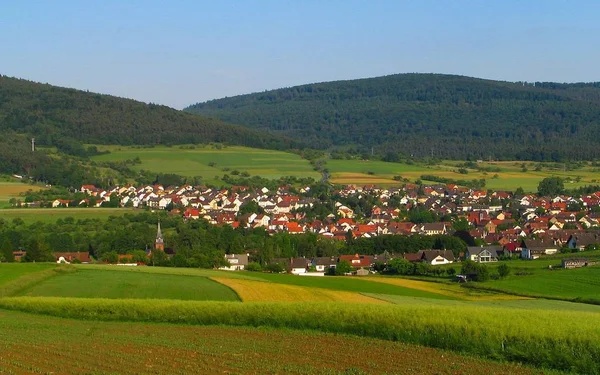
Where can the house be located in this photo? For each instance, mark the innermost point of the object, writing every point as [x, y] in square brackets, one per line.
[299, 265]
[82, 257]
[356, 260]
[581, 240]
[483, 254]
[532, 249]
[237, 262]
[436, 257]
[322, 264]
[431, 229]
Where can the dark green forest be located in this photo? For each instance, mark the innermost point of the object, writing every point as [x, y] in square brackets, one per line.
[60, 117]
[421, 115]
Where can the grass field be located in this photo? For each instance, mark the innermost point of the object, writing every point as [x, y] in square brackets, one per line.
[576, 283]
[41, 344]
[273, 164]
[47, 215]
[116, 284]
[195, 162]
[12, 271]
[259, 291]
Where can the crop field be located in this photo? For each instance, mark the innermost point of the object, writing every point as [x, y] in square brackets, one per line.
[50, 215]
[556, 340]
[348, 284]
[510, 177]
[10, 190]
[195, 162]
[116, 284]
[260, 291]
[453, 290]
[42, 344]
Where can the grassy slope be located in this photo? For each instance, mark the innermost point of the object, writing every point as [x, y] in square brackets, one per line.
[114, 284]
[194, 162]
[32, 343]
[274, 164]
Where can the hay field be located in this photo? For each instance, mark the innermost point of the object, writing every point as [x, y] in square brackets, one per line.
[260, 291]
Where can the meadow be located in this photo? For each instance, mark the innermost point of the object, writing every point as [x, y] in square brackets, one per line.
[198, 161]
[50, 215]
[43, 344]
[116, 284]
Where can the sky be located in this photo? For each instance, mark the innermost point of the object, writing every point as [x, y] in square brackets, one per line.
[180, 52]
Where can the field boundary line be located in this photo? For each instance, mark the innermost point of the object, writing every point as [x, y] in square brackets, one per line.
[21, 284]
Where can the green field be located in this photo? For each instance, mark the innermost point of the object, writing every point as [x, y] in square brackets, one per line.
[42, 344]
[12, 271]
[195, 162]
[116, 284]
[187, 161]
[569, 284]
[50, 215]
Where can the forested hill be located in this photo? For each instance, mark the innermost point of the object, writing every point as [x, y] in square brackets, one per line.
[429, 114]
[53, 114]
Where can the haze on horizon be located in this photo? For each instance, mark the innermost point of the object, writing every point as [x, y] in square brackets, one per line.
[192, 51]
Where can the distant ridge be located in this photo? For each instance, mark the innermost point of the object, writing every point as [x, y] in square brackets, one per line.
[50, 113]
[446, 116]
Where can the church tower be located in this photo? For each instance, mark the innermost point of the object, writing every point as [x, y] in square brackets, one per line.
[159, 244]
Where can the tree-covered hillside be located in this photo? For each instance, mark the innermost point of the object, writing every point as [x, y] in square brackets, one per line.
[428, 114]
[53, 114]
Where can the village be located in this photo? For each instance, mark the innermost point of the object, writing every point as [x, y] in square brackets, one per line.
[502, 225]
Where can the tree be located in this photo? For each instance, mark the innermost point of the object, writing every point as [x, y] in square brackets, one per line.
[110, 257]
[503, 270]
[551, 186]
[461, 224]
[343, 267]
[400, 266]
[6, 251]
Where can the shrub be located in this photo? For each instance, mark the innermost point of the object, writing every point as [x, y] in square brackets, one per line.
[503, 270]
[253, 267]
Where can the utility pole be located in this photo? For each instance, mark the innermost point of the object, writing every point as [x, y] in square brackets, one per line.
[32, 144]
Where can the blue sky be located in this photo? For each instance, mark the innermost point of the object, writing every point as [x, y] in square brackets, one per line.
[181, 52]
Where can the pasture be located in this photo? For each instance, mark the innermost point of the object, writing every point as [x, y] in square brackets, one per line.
[50, 215]
[43, 344]
[116, 284]
[198, 161]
